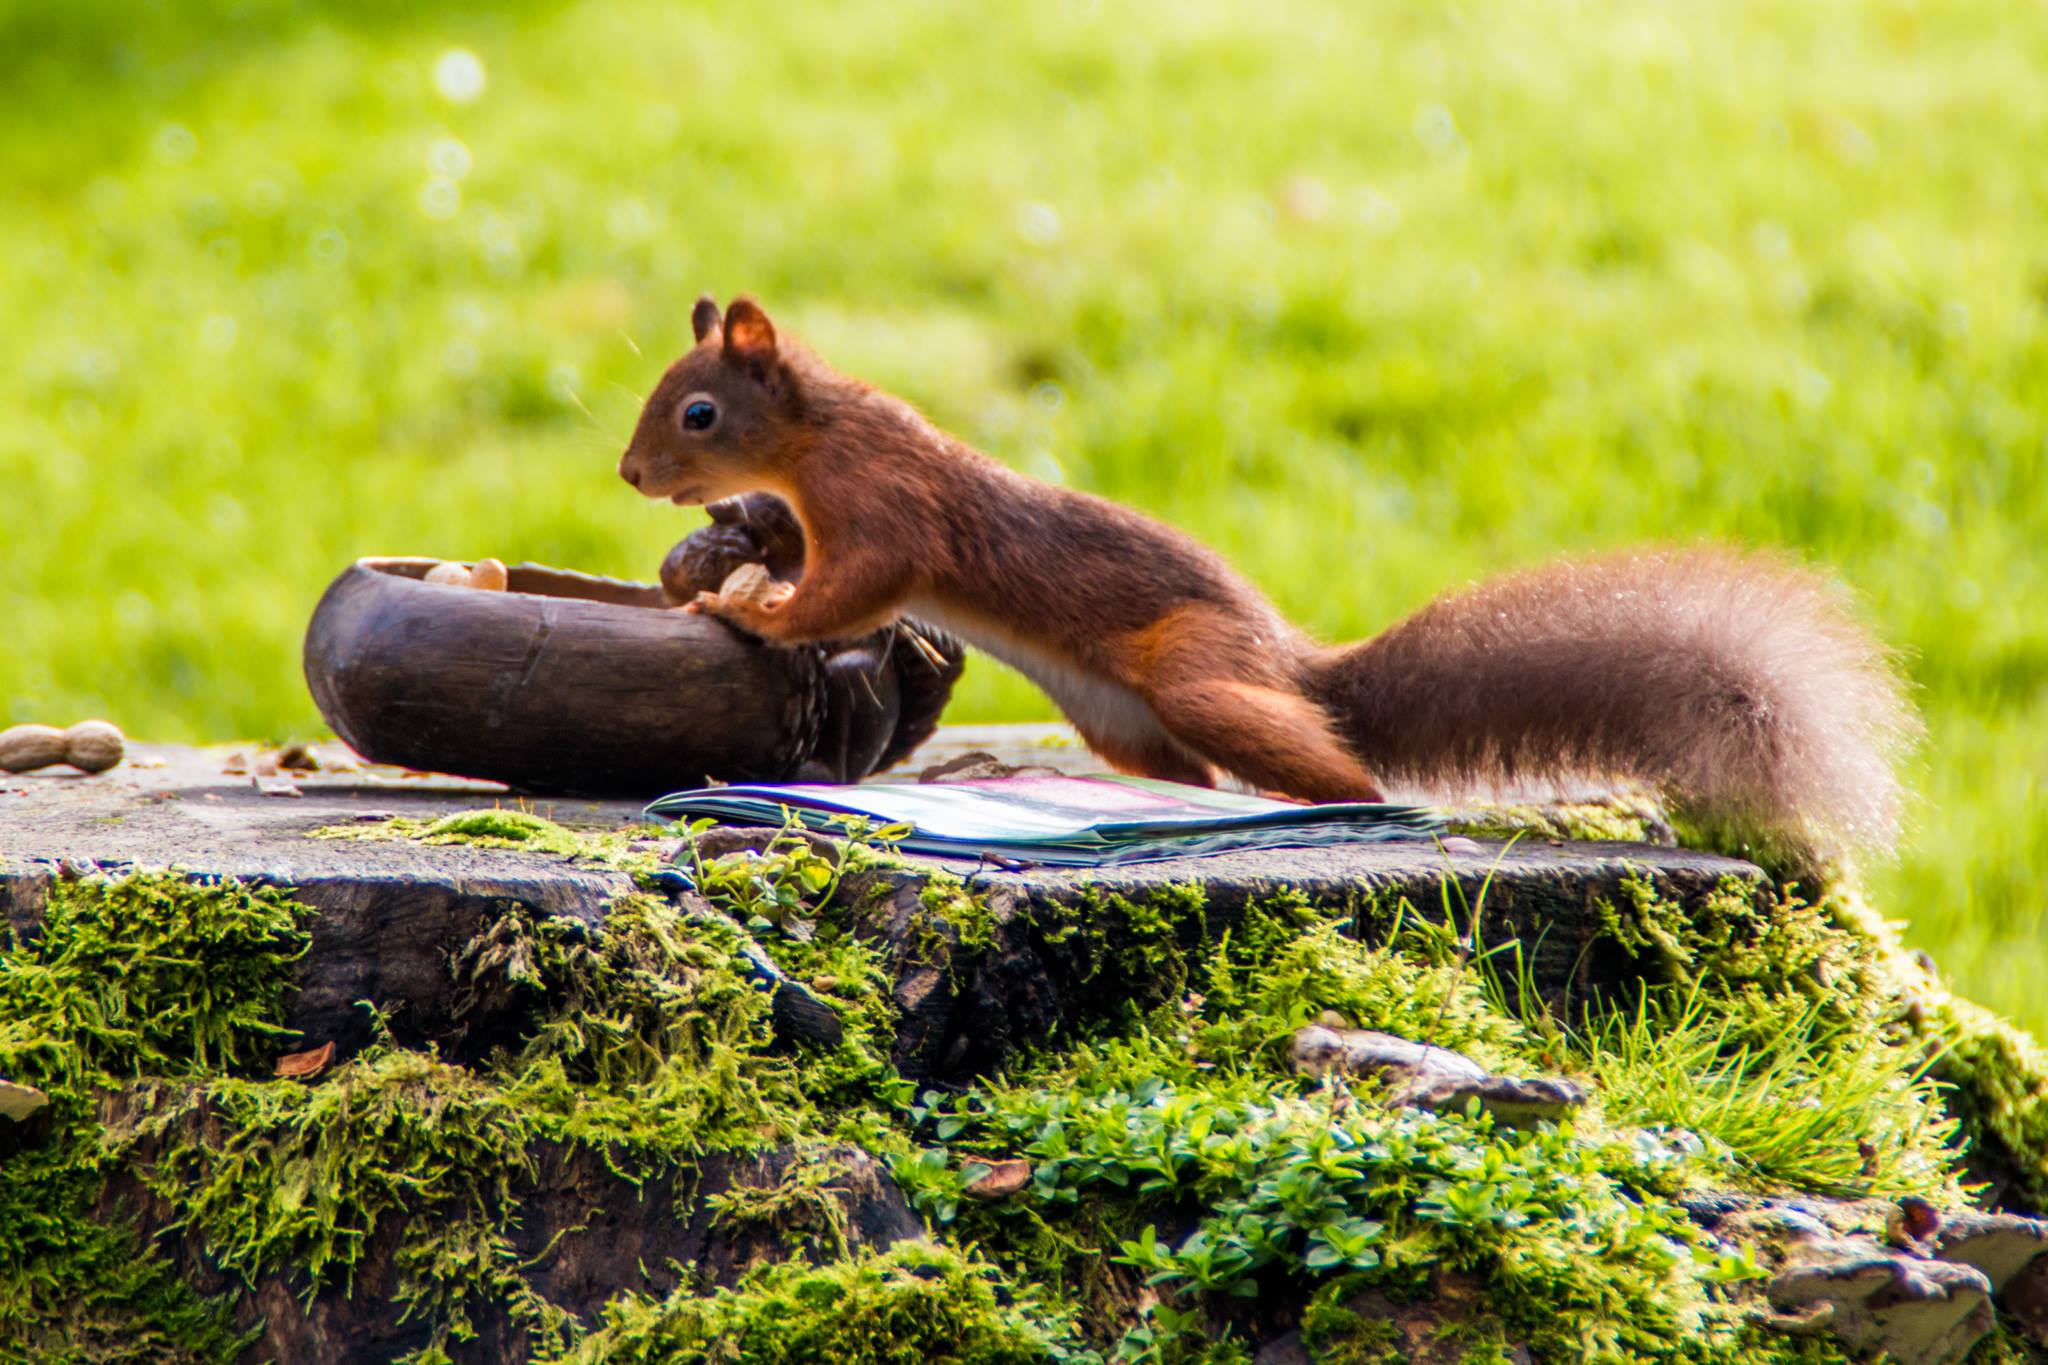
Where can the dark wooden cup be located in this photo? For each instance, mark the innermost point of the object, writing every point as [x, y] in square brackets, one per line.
[572, 684]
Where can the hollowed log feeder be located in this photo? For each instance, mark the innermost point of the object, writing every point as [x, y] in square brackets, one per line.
[572, 684]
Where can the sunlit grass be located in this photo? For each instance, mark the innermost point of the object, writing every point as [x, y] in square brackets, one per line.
[1375, 298]
[1805, 1107]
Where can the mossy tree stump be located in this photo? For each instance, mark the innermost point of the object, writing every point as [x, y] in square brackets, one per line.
[596, 1087]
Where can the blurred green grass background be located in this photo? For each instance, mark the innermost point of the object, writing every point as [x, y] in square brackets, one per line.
[1376, 298]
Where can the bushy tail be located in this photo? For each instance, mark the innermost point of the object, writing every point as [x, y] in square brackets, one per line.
[1741, 685]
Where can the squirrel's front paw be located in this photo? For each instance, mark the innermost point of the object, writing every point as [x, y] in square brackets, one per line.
[749, 599]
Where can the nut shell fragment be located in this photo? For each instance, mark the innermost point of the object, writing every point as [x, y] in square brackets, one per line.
[749, 583]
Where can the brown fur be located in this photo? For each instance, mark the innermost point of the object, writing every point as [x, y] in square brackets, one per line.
[1741, 685]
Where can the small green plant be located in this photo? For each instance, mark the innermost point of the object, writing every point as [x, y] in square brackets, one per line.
[791, 877]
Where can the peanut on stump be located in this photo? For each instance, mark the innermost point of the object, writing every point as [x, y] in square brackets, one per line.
[91, 746]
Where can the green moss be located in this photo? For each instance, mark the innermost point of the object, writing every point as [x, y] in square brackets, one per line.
[1177, 1161]
[1997, 1074]
[1341, 1326]
[1335, 1331]
[98, 1295]
[156, 1001]
[800, 1208]
[511, 827]
[147, 974]
[152, 974]
[1750, 939]
[1620, 818]
[952, 919]
[917, 1304]
[789, 898]
[642, 1029]
[1285, 965]
[284, 1175]
[1137, 951]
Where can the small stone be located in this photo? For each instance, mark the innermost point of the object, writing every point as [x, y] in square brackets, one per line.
[1319, 1049]
[1422, 1076]
[1458, 843]
[797, 1013]
[1000, 1180]
[1999, 1244]
[18, 1101]
[981, 766]
[1871, 1299]
[1513, 1102]
[275, 785]
[298, 758]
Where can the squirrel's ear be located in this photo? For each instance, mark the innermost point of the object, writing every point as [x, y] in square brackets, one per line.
[749, 335]
[704, 317]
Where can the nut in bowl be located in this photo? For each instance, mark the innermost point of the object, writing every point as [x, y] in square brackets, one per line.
[486, 575]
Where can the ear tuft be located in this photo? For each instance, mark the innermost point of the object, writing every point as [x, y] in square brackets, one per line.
[704, 317]
[748, 333]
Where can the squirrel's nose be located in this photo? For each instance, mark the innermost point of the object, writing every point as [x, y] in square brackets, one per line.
[630, 473]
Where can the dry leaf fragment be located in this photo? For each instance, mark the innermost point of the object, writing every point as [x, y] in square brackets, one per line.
[309, 1063]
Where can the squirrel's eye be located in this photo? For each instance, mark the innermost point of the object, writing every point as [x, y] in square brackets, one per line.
[699, 415]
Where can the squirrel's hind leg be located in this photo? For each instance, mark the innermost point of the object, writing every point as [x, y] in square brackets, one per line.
[1272, 739]
[1156, 756]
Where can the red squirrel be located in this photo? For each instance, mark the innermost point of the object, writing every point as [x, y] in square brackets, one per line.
[1739, 684]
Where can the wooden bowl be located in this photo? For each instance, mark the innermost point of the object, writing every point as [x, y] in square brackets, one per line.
[571, 684]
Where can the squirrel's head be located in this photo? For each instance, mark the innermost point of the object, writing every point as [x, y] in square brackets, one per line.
[720, 420]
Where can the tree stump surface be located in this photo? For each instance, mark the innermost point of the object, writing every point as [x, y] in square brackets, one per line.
[388, 914]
